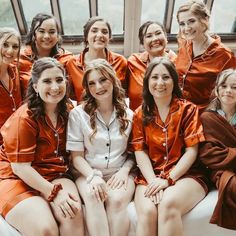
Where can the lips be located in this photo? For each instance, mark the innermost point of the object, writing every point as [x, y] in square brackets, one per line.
[101, 92]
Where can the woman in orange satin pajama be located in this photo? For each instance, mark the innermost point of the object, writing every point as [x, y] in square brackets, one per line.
[166, 133]
[201, 56]
[37, 196]
[11, 86]
[152, 36]
[97, 33]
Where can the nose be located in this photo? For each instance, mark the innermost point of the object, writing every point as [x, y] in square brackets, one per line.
[98, 85]
[46, 35]
[160, 80]
[99, 33]
[54, 86]
[10, 50]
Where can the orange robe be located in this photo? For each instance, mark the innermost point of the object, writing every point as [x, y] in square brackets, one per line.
[75, 68]
[26, 59]
[164, 143]
[26, 139]
[137, 65]
[197, 75]
[10, 99]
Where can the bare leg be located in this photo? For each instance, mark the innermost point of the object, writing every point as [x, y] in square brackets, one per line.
[33, 216]
[96, 218]
[177, 200]
[116, 206]
[74, 226]
[146, 213]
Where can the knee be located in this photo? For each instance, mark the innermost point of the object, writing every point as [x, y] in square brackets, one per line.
[147, 213]
[46, 229]
[116, 203]
[168, 209]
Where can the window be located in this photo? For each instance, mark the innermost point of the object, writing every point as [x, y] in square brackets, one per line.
[113, 11]
[31, 8]
[7, 18]
[74, 18]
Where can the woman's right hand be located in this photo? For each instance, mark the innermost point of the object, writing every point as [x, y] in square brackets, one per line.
[155, 186]
[67, 203]
[98, 187]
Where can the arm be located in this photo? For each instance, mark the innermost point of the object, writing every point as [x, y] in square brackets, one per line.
[65, 202]
[95, 181]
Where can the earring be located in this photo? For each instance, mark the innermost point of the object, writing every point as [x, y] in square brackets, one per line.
[37, 94]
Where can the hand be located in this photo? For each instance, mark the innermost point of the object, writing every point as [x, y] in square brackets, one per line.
[67, 203]
[156, 198]
[119, 179]
[155, 186]
[98, 187]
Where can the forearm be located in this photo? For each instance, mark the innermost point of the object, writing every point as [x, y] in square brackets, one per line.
[145, 165]
[185, 162]
[32, 178]
[129, 163]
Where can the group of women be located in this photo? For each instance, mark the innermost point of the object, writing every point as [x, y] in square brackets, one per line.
[54, 156]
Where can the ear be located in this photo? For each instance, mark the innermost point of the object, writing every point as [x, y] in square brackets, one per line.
[35, 88]
[216, 92]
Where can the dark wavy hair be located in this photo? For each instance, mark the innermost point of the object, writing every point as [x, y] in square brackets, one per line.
[148, 105]
[90, 23]
[6, 33]
[222, 77]
[90, 105]
[144, 27]
[35, 103]
[35, 24]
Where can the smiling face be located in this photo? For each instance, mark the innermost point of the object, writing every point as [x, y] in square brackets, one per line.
[100, 87]
[154, 40]
[9, 49]
[46, 36]
[160, 83]
[226, 91]
[190, 26]
[98, 35]
[51, 86]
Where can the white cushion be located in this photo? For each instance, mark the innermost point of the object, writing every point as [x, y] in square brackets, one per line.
[196, 222]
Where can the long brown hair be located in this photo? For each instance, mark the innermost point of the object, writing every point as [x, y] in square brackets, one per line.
[90, 105]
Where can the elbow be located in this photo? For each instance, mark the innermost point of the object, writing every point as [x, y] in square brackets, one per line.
[19, 168]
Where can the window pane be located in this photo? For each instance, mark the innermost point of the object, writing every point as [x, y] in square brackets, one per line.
[113, 11]
[175, 25]
[75, 14]
[150, 12]
[7, 18]
[222, 17]
[31, 8]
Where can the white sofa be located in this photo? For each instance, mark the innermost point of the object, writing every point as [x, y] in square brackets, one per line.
[195, 222]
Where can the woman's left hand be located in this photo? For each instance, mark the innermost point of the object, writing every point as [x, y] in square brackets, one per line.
[119, 179]
[155, 186]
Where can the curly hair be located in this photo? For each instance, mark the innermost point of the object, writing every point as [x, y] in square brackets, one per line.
[90, 23]
[30, 37]
[148, 105]
[35, 103]
[222, 77]
[144, 27]
[199, 9]
[6, 33]
[90, 104]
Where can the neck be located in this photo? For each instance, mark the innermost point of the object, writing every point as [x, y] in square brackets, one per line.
[105, 107]
[94, 54]
[163, 102]
[3, 69]
[159, 54]
[51, 109]
[228, 110]
[43, 53]
[202, 42]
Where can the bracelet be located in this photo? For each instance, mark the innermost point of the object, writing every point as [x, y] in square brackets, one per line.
[55, 190]
[95, 173]
[170, 180]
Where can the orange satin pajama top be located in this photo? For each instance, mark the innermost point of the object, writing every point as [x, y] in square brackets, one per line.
[165, 142]
[76, 66]
[26, 139]
[137, 65]
[10, 99]
[197, 75]
[27, 59]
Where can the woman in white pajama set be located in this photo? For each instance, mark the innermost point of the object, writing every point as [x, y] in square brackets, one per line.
[98, 136]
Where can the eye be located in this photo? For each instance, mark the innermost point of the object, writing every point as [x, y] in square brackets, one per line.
[5, 45]
[91, 83]
[47, 81]
[41, 31]
[157, 32]
[52, 32]
[16, 47]
[181, 24]
[165, 77]
[191, 20]
[94, 30]
[105, 31]
[102, 80]
[148, 36]
[60, 79]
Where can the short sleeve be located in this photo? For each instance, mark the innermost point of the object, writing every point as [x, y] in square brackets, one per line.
[75, 137]
[193, 130]
[138, 141]
[20, 138]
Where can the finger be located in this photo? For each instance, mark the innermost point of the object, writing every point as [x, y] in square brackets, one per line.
[126, 184]
[161, 194]
[117, 184]
[97, 195]
[74, 206]
[69, 211]
[110, 180]
[73, 197]
[102, 193]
